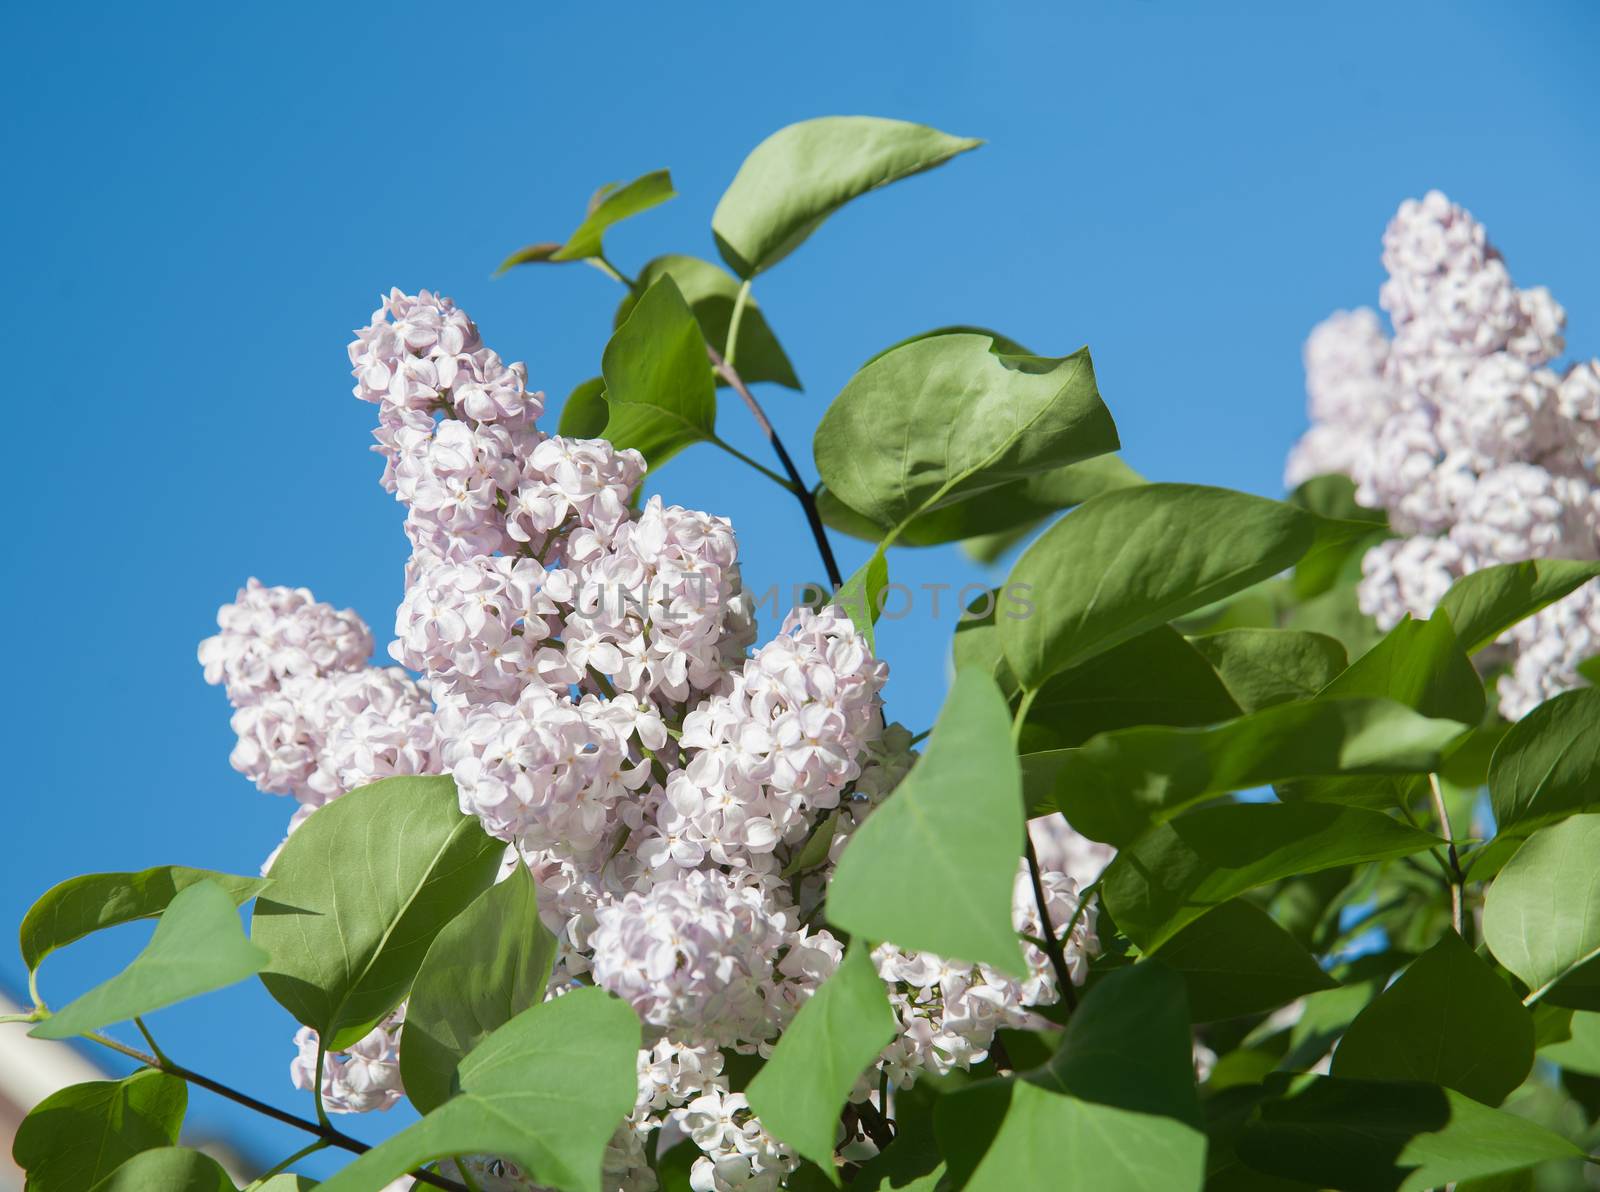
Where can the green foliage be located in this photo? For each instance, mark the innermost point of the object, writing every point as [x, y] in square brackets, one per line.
[1113, 1109]
[1547, 766]
[79, 1135]
[1362, 1134]
[658, 378]
[1486, 603]
[1235, 960]
[1121, 783]
[711, 293]
[1175, 873]
[168, 1169]
[519, 1098]
[1263, 667]
[1113, 691]
[990, 522]
[488, 965]
[861, 596]
[943, 418]
[1447, 1020]
[932, 869]
[359, 893]
[802, 174]
[1419, 664]
[1541, 918]
[81, 905]
[1129, 560]
[799, 1092]
[609, 205]
[585, 412]
[198, 946]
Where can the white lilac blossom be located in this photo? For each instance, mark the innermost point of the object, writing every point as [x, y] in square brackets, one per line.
[693, 955]
[363, 1077]
[269, 635]
[1458, 426]
[585, 675]
[311, 718]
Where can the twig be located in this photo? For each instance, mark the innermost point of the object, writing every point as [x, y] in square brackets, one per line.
[1458, 880]
[1052, 946]
[808, 502]
[328, 1134]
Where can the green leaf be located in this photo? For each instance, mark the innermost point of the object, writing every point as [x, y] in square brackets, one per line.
[488, 965]
[611, 204]
[1448, 1020]
[933, 868]
[942, 419]
[861, 596]
[1541, 918]
[710, 292]
[1419, 664]
[1235, 960]
[1486, 603]
[547, 1090]
[167, 1169]
[1202, 859]
[800, 1091]
[1578, 1050]
[1334, 496]
[585, 412]
[1548, 765]
[81, 905]
[1360, 1134]
[802, 174]
[1120, 783]
[658, 378]
[1008, 511]
[198, 946]
[359, 893]
[1003, 343]
[1263, 667]
[1129, 560]
[1157, 678]
[80, 1134]
[815, 850]
[1114, 1109]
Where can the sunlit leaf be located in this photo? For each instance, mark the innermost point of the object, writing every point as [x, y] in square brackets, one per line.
[359, 893]
[933, 868]
[547, 1090]
[840, 1030]
[802, 174]
[488, 965]
[199, 945]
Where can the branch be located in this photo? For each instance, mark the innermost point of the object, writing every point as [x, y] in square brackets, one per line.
[1052, 946]
[808, 502]
[327, 1133]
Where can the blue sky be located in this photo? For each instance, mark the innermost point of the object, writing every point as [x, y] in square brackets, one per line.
[203, 200]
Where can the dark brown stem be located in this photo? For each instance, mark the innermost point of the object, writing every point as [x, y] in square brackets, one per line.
[328, 1134]
[877, 1128]
[1052, 946]
[808, 502]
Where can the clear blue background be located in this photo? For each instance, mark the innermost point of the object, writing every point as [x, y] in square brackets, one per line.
[202, 200]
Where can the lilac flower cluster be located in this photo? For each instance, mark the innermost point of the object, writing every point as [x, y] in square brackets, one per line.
[1458, 426]
[588, 681]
